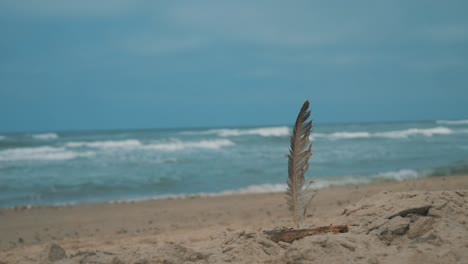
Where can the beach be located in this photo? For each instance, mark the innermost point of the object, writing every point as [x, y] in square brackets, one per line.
[233, 132]
[229, 228]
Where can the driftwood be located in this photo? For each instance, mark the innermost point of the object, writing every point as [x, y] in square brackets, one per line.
[289, 235]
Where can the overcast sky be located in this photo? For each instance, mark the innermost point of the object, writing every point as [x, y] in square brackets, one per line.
[109, 64]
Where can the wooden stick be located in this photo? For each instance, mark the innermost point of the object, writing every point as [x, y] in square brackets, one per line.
[289, 235]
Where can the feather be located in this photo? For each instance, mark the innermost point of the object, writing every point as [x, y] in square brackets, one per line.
[298, 196]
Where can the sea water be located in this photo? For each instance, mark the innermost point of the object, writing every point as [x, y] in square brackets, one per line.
[57, 168]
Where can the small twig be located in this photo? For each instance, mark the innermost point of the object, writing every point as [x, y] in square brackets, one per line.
[289, 235]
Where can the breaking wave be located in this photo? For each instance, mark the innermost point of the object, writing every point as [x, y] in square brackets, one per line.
[427, 132]
[130, 143]
[181, 145]
[260, 188]
[173, 145]
[400, 175]
[452, 122]
[264, 132]
[45, 136]
[41, 153]
[343, 135]
[320, 183]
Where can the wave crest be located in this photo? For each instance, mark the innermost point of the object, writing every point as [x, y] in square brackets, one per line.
[130, 143]
[427, 132]
[452, 122]
[400, 175]
[181, 145]
[41, 153]
[344, 135]
[173, 145]
[236, 132]
[318, 183]
[45, 136]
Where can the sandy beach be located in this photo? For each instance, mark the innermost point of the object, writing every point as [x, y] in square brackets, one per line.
[386, 225]
[210, 132]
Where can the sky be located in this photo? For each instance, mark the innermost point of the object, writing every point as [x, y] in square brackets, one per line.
[121, 64]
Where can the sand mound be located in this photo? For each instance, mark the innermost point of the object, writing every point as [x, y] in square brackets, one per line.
[410, 227]
[403, 227]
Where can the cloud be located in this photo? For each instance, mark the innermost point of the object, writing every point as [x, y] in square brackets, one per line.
[154, 45]
[454, 33]
[304, 32]
[251, 23]
[433, 65]
[69, 8]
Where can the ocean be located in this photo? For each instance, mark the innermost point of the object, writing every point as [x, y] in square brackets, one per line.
[63, 168]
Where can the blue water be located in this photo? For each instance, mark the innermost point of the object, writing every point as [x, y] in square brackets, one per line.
[87, 167]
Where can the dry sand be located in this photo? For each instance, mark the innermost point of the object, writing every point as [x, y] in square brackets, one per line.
[420, 221]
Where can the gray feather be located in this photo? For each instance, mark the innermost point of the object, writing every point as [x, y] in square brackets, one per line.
[298, 196]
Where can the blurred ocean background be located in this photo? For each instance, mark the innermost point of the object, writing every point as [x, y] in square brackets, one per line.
[58, 168]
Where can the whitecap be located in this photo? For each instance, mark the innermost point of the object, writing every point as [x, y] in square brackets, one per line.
[41, 153]
[236, 132]
[427, 132]
[452, 122]
[318, 183]
[45, 136]
[260, 188]
[128, 144]
[400, 175]
[173, 145]
[343, 135]
[181, 145]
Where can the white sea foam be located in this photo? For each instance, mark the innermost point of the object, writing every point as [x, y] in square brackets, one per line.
[127, 144]
[452, 122]
[173, 145]
[260, 188]
[319, 183]
[41, 153]
[181, 145]
[400, 175]
[427, 132]
[343, 135]
[45, 136]
[227, 132]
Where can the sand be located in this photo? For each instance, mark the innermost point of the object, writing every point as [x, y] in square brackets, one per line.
[418, 221]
